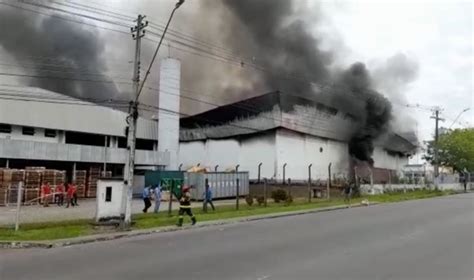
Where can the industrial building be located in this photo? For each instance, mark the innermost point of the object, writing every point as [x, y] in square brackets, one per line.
[279, 132]
[284, 134]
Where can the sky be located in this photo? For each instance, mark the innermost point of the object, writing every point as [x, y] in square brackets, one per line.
[432, 41]
[438, 35]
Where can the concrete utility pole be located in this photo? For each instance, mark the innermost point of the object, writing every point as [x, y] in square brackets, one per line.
[137, 33]
[436, 117]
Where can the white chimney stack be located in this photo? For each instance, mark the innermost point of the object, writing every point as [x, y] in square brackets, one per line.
[168, 114]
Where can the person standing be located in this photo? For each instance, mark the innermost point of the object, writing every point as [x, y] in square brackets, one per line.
[60, 194]
[46, 193]
[146, 198]
[157, 195]
[185, 207]
[74, 194]
[207, 195]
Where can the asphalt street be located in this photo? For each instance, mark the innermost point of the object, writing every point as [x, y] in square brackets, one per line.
[424, 239]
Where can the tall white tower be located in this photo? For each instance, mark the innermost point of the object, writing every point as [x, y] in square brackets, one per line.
[168, 114]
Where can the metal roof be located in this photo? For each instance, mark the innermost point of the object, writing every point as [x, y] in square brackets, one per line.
[28, 106]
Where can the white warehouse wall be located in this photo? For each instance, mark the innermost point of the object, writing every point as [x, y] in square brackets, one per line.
[276, 148]
[257, 150]
[299, 151]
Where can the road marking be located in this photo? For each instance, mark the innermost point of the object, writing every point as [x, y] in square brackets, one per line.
[268, 276]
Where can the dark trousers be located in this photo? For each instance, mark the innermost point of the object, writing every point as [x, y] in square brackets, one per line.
[188, 212]
[209, 201]
[70, 201]
[74, 197]
[147, 202]
[60, 199]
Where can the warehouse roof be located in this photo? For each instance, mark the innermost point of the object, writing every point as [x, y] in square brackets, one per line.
[28, 106]
[278, 110]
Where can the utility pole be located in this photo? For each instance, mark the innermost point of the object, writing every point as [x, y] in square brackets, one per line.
[436, 117]
[137, 33]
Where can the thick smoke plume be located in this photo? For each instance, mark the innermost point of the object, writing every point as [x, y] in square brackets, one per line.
[283, 43]
[71, 56]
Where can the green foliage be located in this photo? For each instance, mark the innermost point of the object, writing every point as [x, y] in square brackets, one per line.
[279, 195]
[249, 200]
[260, 200]
[289, 200]
[455, 149]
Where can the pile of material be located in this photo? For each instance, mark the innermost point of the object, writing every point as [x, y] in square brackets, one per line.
[33, 177]
[81, 182]
[94, 174]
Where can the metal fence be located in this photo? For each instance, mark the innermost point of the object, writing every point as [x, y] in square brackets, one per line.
[222, 184]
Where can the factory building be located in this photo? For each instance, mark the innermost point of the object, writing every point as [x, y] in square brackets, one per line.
[43, 128]
[284, 134]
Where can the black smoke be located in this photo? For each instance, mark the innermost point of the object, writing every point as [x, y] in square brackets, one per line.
[282, 42]
[58, 55]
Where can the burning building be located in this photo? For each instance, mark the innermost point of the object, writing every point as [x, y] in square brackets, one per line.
[285, 133]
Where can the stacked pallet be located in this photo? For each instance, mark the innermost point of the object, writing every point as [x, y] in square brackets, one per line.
[94, 174]
[31, 196]
[33, 177]
[81, 182]
[54, 177]
[3, 190]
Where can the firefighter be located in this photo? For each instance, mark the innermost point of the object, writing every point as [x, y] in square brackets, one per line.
[185, 206]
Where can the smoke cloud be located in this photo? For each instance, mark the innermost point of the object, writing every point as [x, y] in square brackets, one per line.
[281, 41]
[56, 48]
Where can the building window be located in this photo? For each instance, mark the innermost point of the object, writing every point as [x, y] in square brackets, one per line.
[27, 130]
[5, 128]
[50, 133]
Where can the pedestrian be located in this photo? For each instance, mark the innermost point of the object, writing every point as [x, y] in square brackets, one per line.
[70, 195]
[348, 194]
[46, 193]
[207, 195]
[465, 182]
[157, 196]
[74, 194]
[185, 207]
[59, 194]
[146, 198]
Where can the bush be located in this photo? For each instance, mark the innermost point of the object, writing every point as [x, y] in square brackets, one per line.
[249, 200]
[279, 195]
[289, 200]
[260, 200]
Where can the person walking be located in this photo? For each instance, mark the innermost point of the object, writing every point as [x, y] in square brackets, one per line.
[348, 194]
[185, 207]
[71, 190]
[207, 195]
[157, 196]
[46, 193]
[59, 194]
[146, 198]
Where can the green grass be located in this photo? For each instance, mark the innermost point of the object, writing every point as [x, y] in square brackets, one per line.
[70, 229]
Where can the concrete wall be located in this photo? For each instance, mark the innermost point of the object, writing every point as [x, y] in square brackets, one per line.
[22, 149]
[382, 159]
[298, 151]
[17, 133]
[380, 189]
[227, 153]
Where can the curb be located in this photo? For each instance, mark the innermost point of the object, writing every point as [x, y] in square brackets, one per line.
[134, 233]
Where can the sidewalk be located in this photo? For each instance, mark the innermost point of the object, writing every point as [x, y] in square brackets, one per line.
[85, 210]
[132, 233]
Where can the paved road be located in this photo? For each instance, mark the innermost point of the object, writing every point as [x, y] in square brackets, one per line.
[425, 239]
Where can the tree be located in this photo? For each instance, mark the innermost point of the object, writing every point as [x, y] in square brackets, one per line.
[455, 149]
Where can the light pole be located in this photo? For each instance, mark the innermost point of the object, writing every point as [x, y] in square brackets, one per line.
[460, 113]
[133, 113]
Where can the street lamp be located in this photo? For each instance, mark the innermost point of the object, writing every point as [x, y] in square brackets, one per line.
[462, 112]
